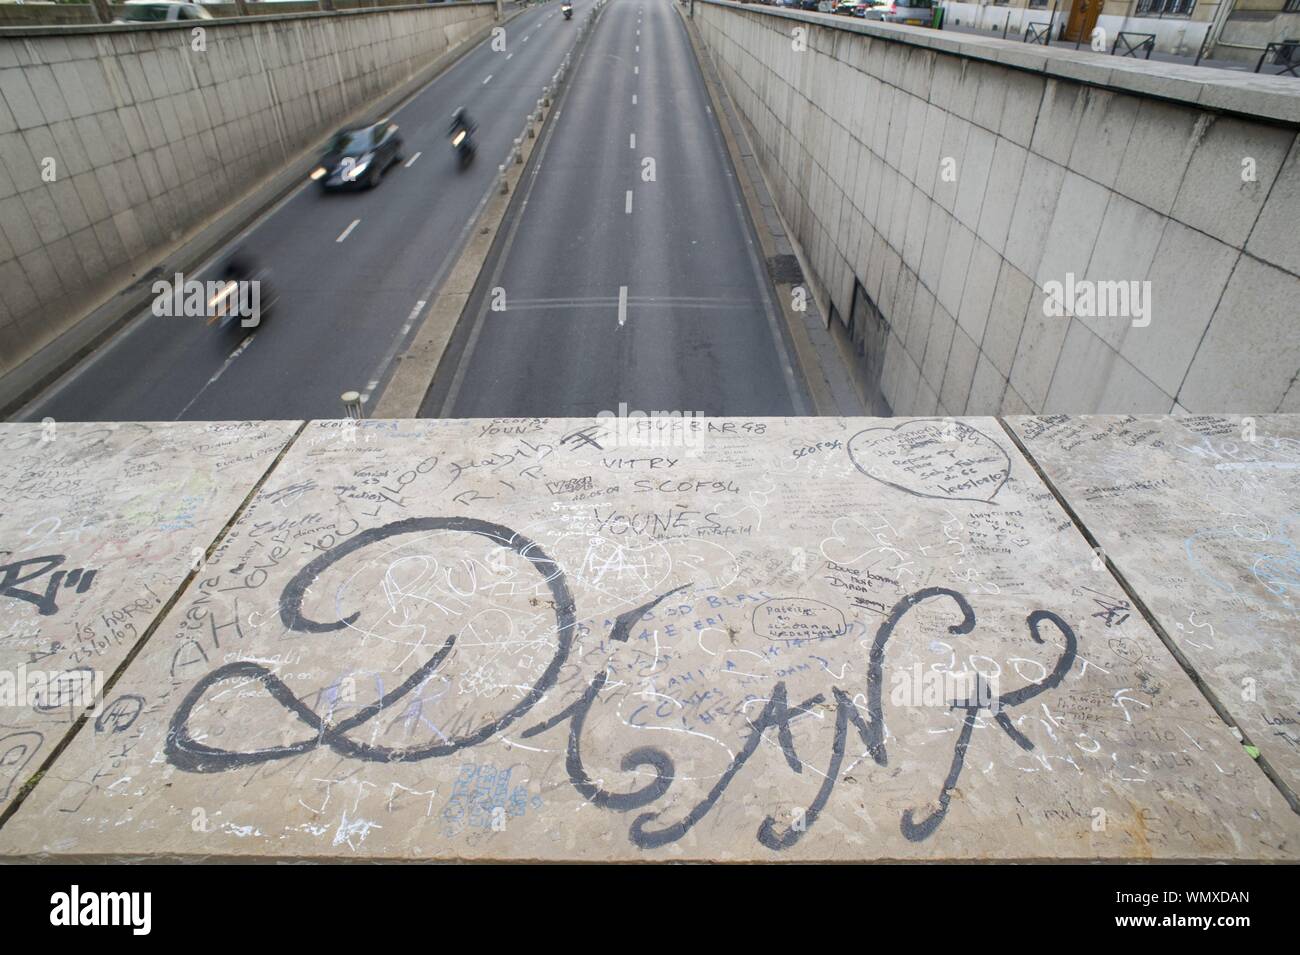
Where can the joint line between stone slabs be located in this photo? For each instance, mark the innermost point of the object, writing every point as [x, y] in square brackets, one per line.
[34, 779]
[1140, 605]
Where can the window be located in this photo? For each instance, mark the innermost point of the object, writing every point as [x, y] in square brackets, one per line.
[351, 142]
[1038, 4]
[1165, 8]
[1292, 6]
[145, 13]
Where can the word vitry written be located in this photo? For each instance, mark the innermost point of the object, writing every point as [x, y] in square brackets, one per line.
[189, 754]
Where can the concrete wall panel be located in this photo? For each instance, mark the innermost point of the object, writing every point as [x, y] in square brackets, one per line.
[984, 174]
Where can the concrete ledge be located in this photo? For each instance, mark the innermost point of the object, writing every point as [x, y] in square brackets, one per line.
[640, 639]
[74, 29]
[1199, 515]
[1272, 98]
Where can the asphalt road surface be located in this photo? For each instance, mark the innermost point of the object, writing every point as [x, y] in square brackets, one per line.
[354, 270]
[631, 273]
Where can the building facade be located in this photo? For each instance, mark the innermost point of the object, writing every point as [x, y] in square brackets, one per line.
[1219, 29]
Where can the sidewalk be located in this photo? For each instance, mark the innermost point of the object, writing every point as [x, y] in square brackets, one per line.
[1156, 56]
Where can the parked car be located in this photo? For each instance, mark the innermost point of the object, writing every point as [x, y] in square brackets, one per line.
[845, 7]
[160, 11]
[910, 11]
[359, 157]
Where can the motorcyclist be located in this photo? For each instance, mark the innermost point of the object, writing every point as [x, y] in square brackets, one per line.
[228, 305]
[462, 135]
[461, 120]
[238, 266]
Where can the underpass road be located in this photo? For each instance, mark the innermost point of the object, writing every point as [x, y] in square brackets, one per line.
[631, 274]
[353, 270]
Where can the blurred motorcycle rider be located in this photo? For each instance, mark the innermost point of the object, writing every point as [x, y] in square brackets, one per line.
[461, 120]
[238, 267]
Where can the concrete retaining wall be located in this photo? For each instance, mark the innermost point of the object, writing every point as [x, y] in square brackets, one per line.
[953, 178]
[150, 135]
[36, 14]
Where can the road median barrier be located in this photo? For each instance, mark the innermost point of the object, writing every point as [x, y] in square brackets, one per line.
[418, 365]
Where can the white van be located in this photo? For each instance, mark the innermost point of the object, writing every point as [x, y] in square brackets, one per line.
[161, 11]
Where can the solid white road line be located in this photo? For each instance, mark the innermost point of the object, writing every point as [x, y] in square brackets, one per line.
[627, 205]
[393, 349]
[411, 162]
[622, 304]
[348, 231]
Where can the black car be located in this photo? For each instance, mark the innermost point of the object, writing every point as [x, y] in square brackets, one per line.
[359, 157]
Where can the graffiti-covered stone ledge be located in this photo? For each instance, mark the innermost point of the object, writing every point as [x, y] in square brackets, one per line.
[711, 639]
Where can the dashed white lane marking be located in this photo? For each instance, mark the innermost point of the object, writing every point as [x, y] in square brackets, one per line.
[508, 55]
[348, 231]
[633, 99]
[632, 142]
[411, 162]
[410, 319]
[487, 80]
[636, 70]
[627, 205]
[230, 360]
[622, 304]
[638, 48]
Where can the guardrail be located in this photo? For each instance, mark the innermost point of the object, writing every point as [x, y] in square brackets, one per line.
[535, 119]
[1145, 42]
[1285, 54]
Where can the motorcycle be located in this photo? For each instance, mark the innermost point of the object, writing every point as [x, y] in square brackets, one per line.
[241, 301]
[464, 147]
[461, 132]
[567, 10]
